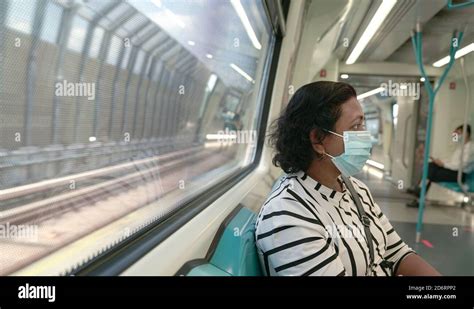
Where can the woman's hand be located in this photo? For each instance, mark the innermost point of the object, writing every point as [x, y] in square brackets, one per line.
[414, 265]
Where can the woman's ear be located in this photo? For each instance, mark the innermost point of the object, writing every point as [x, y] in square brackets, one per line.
[318, 147]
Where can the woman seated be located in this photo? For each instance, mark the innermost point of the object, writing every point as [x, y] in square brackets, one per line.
[320, 221]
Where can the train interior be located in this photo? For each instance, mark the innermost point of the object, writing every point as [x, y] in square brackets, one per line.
[133, 133]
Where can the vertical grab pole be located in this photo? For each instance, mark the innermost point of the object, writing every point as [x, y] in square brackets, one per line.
[417, 45]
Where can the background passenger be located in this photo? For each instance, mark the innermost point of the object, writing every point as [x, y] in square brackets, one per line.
[235, 124]
[440, 171]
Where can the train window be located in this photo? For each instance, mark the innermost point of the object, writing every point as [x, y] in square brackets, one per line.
[92, 153]
[20, 15]
[78, 34]
[51, 23]
[96, 42]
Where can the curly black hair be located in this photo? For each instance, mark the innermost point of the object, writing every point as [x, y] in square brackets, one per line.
[313, 106]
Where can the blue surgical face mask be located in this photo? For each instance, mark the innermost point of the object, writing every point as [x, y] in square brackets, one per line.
[357, 146]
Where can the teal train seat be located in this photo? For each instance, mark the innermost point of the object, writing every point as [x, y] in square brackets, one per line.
[455, 187]
[232, 252]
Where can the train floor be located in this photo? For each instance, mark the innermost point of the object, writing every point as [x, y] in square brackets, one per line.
[447, 239]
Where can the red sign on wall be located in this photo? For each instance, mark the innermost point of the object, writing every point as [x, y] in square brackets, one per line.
[452, 85]
[322, 73]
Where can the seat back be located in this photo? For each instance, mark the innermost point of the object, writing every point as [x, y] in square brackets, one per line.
[233, 251]
[236, 252]
[470, 181]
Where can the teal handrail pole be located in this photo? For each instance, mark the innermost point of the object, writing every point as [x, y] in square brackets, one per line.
[417, 45]
[459, 5]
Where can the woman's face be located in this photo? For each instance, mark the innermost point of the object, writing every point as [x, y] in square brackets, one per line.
[351, 119]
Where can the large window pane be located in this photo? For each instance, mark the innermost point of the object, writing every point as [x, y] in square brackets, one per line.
[132, 149]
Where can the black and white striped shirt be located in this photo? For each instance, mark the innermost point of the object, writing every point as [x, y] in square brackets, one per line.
[305, 228]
